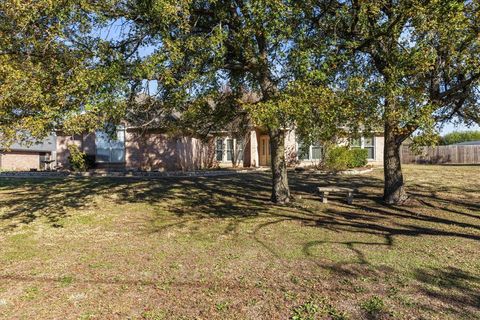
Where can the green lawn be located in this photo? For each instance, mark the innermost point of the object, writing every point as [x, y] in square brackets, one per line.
[215, 248]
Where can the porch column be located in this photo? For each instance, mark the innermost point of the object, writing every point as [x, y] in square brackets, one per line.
[254, 160]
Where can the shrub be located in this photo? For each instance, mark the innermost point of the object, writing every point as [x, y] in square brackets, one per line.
[77, 158]
[338, 158]
[343, 158]
[359, 157]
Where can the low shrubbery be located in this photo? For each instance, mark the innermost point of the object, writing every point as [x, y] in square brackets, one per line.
[359, 158]
[79, 161]
[343, 158]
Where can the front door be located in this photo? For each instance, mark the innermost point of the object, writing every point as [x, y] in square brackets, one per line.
[265, 157]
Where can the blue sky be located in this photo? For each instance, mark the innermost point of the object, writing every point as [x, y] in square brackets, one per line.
[452, 127]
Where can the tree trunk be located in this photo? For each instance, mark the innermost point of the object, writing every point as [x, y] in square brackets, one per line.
[394, 189]
[280, 188]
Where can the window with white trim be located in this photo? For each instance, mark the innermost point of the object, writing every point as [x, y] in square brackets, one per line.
[230, 149]
[110, 149]
[239, 145]
[367, 143]
[227, 148]
[311, 153]
[316, 152]
[219, 149]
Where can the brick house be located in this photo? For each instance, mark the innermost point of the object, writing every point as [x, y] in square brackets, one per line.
[256, 149]
[134, 151]
[154, 150]
[27, 157]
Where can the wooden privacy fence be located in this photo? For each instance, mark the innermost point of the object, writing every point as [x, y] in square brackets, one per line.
[442, 154]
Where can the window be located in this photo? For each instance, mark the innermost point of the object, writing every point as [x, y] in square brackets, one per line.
[356, 143]
[239, 151]
[110, 149]
[230, 149]
[219, 149]
[317, 152]
[313, 152]
[226, 149]
[367, 143]
[303, 153]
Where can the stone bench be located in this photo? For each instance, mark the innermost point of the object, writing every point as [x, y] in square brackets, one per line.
[325, 191]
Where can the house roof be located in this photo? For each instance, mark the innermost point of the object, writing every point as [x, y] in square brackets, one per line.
[468, 143]
[48, 144]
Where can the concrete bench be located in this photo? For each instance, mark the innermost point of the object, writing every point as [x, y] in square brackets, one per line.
[325, 191]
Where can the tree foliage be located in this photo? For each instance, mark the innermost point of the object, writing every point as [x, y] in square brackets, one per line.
[459, 136]
[327, 68]
[221, 62]
[417, 61]
[46, 77]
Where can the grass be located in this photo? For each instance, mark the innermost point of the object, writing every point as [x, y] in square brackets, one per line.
[215, 248]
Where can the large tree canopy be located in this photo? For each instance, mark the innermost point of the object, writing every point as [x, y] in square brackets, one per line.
[49, 69]
[323, 67]
[201, 58]
[418, 62]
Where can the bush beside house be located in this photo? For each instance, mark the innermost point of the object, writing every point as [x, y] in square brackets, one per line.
[343, 158]
[79, 161]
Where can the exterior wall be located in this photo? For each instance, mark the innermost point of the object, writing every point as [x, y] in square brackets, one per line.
[149, 151]
[62, 148]
[377, 161]
[88, 144]
[247, 154]
[291, 148]
[19, 161]
[194, 154]
[156, 151]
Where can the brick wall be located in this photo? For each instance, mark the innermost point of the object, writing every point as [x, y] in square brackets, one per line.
[85, 142]
[62, 148]
[149, 152]
[156, 151]
[19, 161]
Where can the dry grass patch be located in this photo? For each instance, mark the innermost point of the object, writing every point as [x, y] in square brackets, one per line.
[215, 248]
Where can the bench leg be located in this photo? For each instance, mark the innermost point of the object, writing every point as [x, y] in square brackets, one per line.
[350, 197]
[324, 197]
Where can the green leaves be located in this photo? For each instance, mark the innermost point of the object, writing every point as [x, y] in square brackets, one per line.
[409, 53]
[48, 76]
[312, 66]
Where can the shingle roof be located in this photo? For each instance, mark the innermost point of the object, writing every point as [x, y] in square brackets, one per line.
[47, 145]
[468, 143]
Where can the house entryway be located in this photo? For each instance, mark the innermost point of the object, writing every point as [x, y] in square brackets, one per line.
[265, 156]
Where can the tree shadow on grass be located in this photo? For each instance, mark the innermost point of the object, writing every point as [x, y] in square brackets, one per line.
[452, 288]
[23, 201]
[238, 198]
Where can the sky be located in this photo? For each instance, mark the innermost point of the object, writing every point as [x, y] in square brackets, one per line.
[452, 127]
